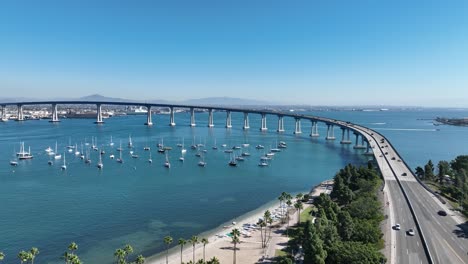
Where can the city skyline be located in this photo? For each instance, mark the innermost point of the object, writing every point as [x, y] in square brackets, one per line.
[408, 54]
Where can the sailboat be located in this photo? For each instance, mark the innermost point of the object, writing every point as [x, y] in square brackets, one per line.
[183, 150]
[120, 147]
[88, 157]
[82, 156]
[95, 148]
[120, 160]
[49, 150]
[57, 155]
[214, 146]
[70, 146]
[14, 161]
[76, 150]
[262, 163]
[150, 160]
[100, 165]
[130, 144]
[161, 148]
[50, 162]
[64, 166]
[111, 143]
[22, 155]
[232, 162]
[202, 162]
[167, 164]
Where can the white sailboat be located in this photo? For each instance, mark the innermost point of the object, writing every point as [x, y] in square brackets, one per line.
[57, 155]
[150, 160]
[82, 156]
[202, 162]
[77, 153]
[49, 150]
[70, 146]
[167, 164]
[14, 161]
[183, 150]
[100, 165]
[23, 154]
[120, 160]
[88, 157]
[94, 146]
[120, 146]
[111, 143]
[64, 166]
[215, 147]
[130, 144]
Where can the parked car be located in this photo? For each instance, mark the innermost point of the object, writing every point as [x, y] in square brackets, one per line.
[404, 174]
[397, 227]
[410, 232]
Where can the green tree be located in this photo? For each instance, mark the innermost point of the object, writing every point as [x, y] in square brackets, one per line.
[70, 256]
[443, 169]
[268, 220]
[262, 224]
[34, 251]
[128, 249]
[281, 199]
[298, 205]
[345, 225]
[204, 242]
[315, 253]
[182, 243]
[140, 259]
[235, 236]
[73, 247]
[2, 256]
[119, 254]
[194, 242]
[168, 242]
[420, 173]
[428, 172]
[283, 260]
[213, 260]
[24, 256]
[353, 253]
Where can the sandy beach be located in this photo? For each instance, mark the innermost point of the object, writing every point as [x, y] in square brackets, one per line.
[250, 249]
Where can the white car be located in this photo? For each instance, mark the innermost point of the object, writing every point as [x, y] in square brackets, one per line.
[410, 232]
[397, 227]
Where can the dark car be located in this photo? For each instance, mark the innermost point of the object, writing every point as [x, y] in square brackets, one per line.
[404, 174]
[442, 213]
[393, 158]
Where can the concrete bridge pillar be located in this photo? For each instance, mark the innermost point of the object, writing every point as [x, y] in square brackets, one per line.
[357, 145]
[99, 114]
[54, 114]
[345, 132]
[330, 132]
[228, 119]
[298, 130]
[192, 117]
[20, 113]
[4, 118]
[210, 118]
[280, 124]
[314, 132]
[149, 120]
[171, 116]
[264, 125]
[246, 121]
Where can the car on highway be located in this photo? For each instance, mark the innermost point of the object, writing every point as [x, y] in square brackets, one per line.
[386, 153]
[410, 232]
[404, 174]
[442, 213]
[397, 227]
[393, 158]
[399, 160]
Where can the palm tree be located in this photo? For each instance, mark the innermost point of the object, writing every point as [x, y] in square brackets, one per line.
[128, 250]
[299, 207]
[288, 203]
[120, 255]
[299, 196]
[24, 256]
[269, 220]
[281, 199]
[168, 241]
[204, 242]
[33, 253]
[235, 239]
[140, 259]
[194, 241]
[73, 247]
[182, 243]
[262, 224]
[2, 256]
[213, 260]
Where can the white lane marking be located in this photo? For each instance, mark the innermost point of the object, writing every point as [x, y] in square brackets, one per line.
[407, 252]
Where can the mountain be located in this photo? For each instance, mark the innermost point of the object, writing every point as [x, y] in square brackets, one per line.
[226, 101]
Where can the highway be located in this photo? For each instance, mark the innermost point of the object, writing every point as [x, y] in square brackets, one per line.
[446, 242]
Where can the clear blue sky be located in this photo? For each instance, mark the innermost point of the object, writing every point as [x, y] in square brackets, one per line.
[313, 52]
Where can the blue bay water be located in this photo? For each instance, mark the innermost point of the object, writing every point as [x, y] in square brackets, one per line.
[140, 203]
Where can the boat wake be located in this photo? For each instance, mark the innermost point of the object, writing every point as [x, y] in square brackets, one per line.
[378, 123]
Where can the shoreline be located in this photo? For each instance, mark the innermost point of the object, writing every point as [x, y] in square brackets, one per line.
[219, 243]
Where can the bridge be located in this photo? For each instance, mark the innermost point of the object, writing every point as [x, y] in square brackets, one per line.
[438, 239]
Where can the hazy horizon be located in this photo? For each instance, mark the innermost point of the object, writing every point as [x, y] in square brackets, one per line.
[314, 53]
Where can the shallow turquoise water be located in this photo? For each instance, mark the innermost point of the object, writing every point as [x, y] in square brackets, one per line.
[140, 203]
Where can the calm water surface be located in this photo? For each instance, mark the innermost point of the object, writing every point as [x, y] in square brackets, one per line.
[140, 203]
